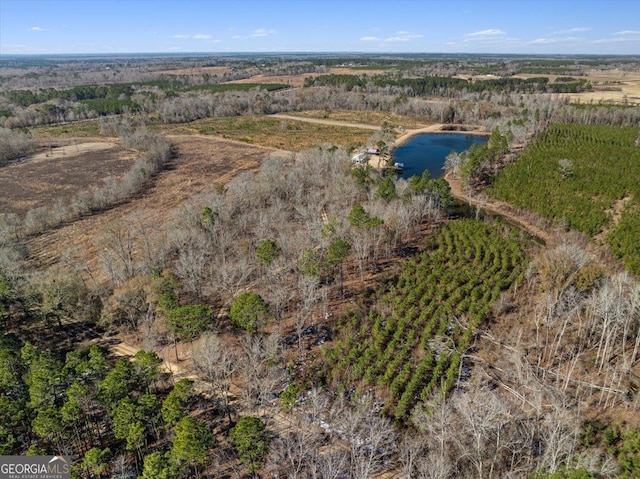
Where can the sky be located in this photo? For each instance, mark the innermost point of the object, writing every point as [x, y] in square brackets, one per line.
[376, 26]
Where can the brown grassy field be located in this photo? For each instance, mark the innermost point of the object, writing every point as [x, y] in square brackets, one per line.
[610, 86]
[298, 80]
[205, 152]
[197, 164]
[367, 117]
[60, 172]
[78, 129]
[278, 133]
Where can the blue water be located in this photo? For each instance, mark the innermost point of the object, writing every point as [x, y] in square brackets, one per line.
[428, 151]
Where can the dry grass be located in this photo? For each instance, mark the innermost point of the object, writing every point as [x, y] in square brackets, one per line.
[69, 151]
[366, 117]
[198, 163]
[298, 80]
[60, 173]
[79, 129]
[278, 133]
[610, 86]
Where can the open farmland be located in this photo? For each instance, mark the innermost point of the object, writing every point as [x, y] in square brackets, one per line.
[611, 86]
[608, 86]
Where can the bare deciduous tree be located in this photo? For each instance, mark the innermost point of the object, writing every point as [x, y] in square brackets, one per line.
[370, 437]
[308, 292]
[216, 362]
[260, 372]
[484, 432]
[118, 245]
[294, 453]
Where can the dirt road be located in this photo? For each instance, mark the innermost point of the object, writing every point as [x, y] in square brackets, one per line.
[323, 121]
[403, 138]
[481, 201]
[502, 209]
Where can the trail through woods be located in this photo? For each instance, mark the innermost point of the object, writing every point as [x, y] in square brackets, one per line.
[502, 209]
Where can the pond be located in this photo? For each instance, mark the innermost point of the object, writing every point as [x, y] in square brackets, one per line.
[428, 151]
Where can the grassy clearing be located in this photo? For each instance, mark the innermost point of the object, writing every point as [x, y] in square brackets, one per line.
[364, 117]
[278, 133]
[78, 129]
[260, 130]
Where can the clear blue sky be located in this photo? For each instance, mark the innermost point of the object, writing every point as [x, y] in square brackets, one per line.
[135, 26]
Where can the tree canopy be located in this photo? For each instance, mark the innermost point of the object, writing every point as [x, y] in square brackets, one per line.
[249, 311]
[250, 440]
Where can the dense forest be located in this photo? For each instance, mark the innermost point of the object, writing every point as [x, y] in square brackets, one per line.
[446, 85]
[284, 312]
[580, 173]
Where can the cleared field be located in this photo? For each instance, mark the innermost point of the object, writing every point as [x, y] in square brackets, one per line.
[365, 117]
[610, 86]
[197, 164]
[69, 151]
[80, 129]
[278, 133]
[298, 80]
[59, 173]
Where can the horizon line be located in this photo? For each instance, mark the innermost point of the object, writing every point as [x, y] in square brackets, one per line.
[328, 52]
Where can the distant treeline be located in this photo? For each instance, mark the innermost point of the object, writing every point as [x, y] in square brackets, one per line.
[476, 63]
[439, 85]
[84, 92]
[115, 98]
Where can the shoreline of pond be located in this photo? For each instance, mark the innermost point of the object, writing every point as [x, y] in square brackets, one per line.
[480, 204]
[436, 128]
[460, 129]
[426, 149]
